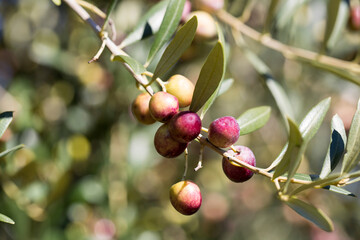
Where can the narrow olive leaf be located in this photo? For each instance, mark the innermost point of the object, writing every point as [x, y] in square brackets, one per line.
[312, 121]
[167, 28]
[337, 17]
[279, 157]
[318, 182]
[57, 2]
[276, 90]
[281, 99]
[176, 48]
[148, 25]
[253, 119]
[209, 79]
[339, 190]
[353, 144]
[336, 147]
[270, 15]
[6, 219]
[304, 177]
[287, 12]
[7, 151]
[222, 88]
[108, 12]
[5, 120]
[295, 142]
[311, 213]
[137, 67]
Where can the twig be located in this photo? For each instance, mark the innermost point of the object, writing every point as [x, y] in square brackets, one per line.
[83, 14]
[204, 141]
[287, 51]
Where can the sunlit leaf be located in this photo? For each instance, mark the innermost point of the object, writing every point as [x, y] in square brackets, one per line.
[353, 144]
[210, 76]
[222, 88]
[312, 121]
[176, 48]
[337, 17]
[57, 2]
[6, 219]
[148, 25]
[5, 120]
[168, 26]
[339, 190]
[311, 213]
[7, 151]
[137, 67]
[336, 148]
[280, 96]
[295, 142]
[253, 119]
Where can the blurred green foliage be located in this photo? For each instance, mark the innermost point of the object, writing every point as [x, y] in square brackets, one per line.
[90, 171]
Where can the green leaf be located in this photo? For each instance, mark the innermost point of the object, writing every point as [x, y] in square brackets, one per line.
[280, 96]
[210, 76]
[5, 120]
[353, 144]
[313, 177]
[253, 119]
[148, 25]
[336, 148]
[137, 67]
[339, 190]
[168, 26]
[279, 157]
[57, 2]
[176, 48]
[110, 9]
[6, 219]
[312, 121]
[222, 88]
[295, 142]
[337, 17]
[311, 213]
[318, 182]
[7, 151]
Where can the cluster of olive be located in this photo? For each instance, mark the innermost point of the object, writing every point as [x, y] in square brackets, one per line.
[179, 128]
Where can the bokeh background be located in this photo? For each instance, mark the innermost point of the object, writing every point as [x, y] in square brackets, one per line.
[90, 171]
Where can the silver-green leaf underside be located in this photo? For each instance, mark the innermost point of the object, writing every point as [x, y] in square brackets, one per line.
[5, 120]
[311, 213]
[253, 119]
[6, 219]
[353, 143]
[137, 67]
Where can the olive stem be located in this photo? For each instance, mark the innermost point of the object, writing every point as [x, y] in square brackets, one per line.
[287, 51]
[84, 15]
[204, 141]
[186, 164]
[199, 165]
